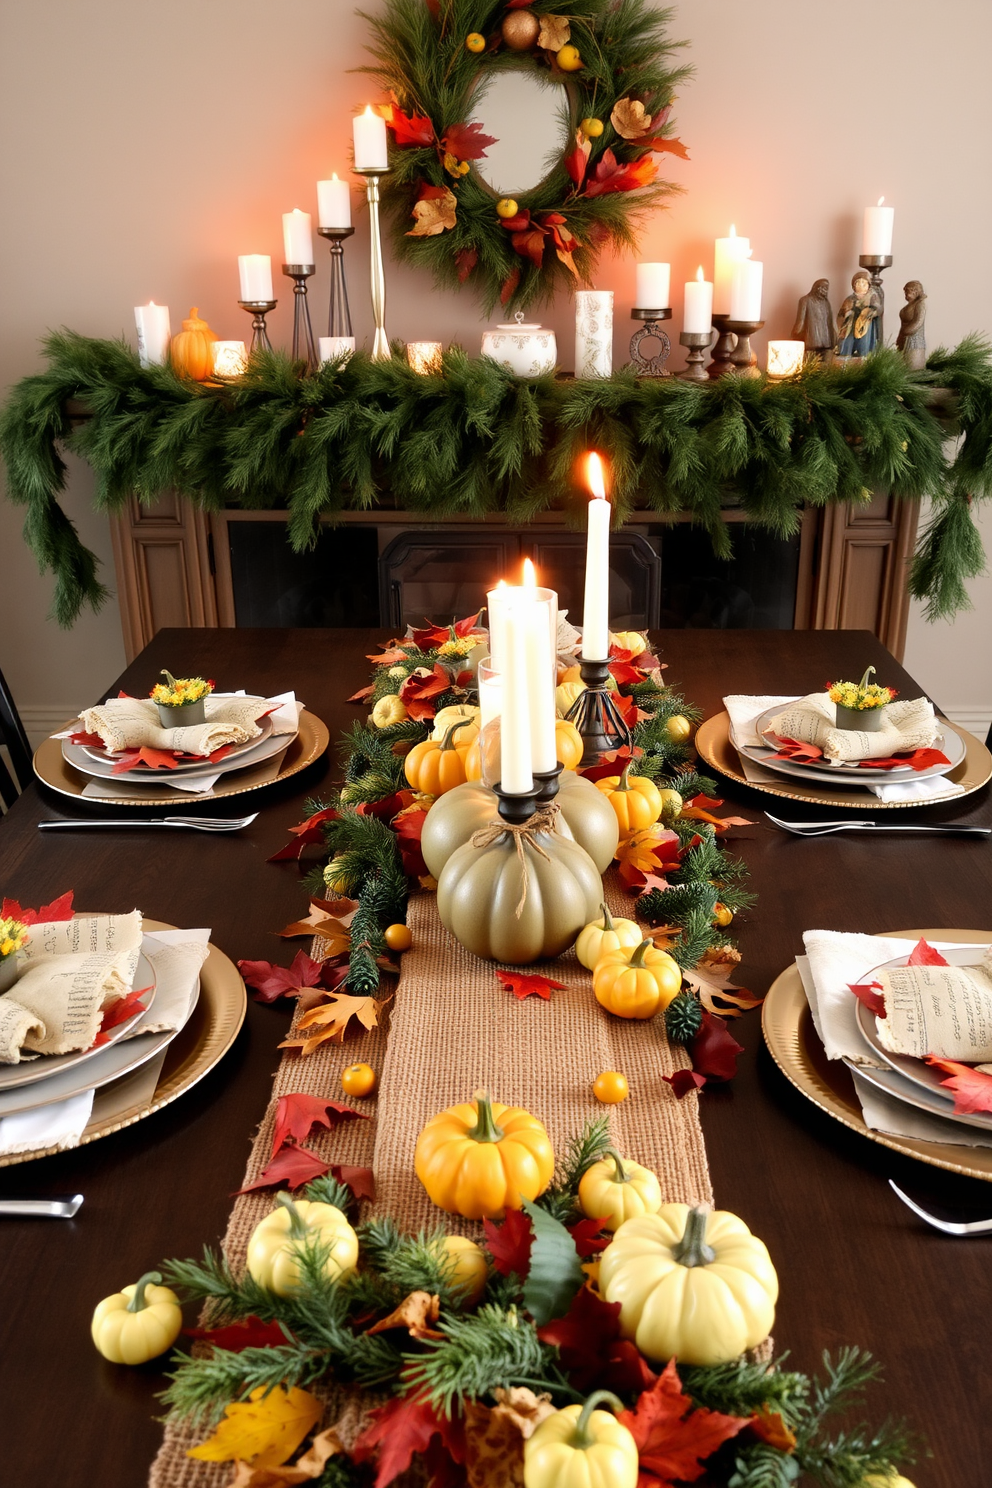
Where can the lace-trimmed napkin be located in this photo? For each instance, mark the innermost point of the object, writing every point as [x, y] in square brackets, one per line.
[133, 723]
[908, 725]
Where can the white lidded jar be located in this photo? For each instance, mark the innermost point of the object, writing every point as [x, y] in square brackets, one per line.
[524, 349]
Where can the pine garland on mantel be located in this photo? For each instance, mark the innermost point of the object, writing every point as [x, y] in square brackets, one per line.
[476, 439]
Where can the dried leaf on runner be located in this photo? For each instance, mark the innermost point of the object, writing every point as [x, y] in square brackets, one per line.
[59, 909]
[588, 1236]
[673, 1439]
[769, 1427]
[360, 1180]
[328, 918]
[494, 1437]
[972, 1090]
[555, 32]
[402, 1429]
[297, 1114]
[272, 982]
[630, 119]
[290, 1168]
[311, 1465]
[583, 1336]
[249, 1332]
[423, 684]
[710, 979]
[328, 1022]
[714, 1050]
[414, 1313]
[523, 985]
[683, 1081]
[265, 1429]
[510, 1243]
[434, 213]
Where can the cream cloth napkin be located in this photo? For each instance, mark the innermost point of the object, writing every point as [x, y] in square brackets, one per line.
[130, 723]
[885, 1113]
[59, 1126]
[812, 720]
[71, 972]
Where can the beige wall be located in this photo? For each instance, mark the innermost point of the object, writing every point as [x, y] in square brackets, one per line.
[146, 145]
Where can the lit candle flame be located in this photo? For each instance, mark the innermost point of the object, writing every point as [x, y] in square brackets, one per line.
[881, 200]
[530, 575]
[368, 111]
[733, 231]
[594, 475]
[699, 275]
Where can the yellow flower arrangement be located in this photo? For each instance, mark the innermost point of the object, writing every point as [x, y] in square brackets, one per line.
[13, 934]
[860, 696]
[179, 692]
[458, 646]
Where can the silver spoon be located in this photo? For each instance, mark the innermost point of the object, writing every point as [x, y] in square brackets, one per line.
[42, 1208]
[975, 1227]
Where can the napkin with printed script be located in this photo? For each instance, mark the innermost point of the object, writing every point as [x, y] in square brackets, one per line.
[133, 723]
[812, 720]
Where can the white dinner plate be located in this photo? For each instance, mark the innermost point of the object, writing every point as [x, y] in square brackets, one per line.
[949, 742]
[12, 1076]
[890, 1082]
[253, 753]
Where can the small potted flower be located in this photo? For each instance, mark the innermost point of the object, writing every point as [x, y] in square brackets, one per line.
[13, 934]
[861, 705]
[181, 701]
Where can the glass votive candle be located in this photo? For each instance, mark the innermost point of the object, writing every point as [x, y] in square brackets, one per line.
[490, 692]
[785, 358]
[230, 358]
[335, 348]
[424, 356]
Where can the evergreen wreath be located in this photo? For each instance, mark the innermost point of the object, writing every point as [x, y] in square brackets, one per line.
[437, 57]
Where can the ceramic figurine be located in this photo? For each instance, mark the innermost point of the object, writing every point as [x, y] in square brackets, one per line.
[911, 340]
[815, 322]
[857, 319]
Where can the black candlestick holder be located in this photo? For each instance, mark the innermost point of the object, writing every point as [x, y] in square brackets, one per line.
[698, 343]
[258, 310]
[724, 348]
[546, 783]
[596, 715]
[338, 310]
[651, 331]
[743, 361]
[303, 342]
[518, 807]
[875, 263]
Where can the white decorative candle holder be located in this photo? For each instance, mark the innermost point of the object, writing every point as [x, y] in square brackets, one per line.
[593, 332]
[230, 358]
[785, 358]
[335, 348]
[524, 349]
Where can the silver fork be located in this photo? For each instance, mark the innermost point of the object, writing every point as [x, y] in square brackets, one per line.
[42, 1208]
[975, 1227]
[824, 828]
[197, 823]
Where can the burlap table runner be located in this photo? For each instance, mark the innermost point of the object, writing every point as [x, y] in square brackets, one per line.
[452, 1028]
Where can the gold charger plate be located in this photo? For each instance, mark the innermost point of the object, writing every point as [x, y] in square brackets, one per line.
[54, 770]
[206, 1038]
[713, 743]
[787, 1025]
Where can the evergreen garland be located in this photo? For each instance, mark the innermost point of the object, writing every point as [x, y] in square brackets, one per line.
[478, 439]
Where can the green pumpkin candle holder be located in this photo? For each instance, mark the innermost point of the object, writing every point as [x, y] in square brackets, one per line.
[596, 715]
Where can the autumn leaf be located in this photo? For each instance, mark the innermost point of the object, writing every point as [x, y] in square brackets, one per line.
[588, 1236]
[630, 119]
[627, 1369]
[583, 1336]
[673, 1439]
[972, 1090]
[291, 1168]
[153, 759]
[388, 806]
[311, 1465]
[769, 1427]
[408, 826]
[577, 161]
[414, 1313]
[494, 1436]
[421, 686]
[796, 751]
[870, 993]
[405, 1428]
[625, 673]
[330, 919]
[430, 637]
[265, 1429]
[670, 147]
[467, 142]
[298, 1114]
[249, 1332]
[272, 982]
[710, 978]
[610, 175]
[330, 1020]
[923, 954]
[408, 129]
[555, 32]
[119, 1012]
[530, 244]
[359, 1180]
[683, 1081]
[522, 985]
[434, 212]
[59, 909]
[919, 759]
[305, 832]
[510, 1243]
[714, 1050]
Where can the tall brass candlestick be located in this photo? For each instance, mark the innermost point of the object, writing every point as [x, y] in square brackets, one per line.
[380, 346]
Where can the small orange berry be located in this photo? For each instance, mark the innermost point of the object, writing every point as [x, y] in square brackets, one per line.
[398, 937]
[610, 1087]
[358, 1080]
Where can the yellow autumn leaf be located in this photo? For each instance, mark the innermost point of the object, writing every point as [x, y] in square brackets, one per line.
[328, 1021]
[629, 118]
[555, 32]
[433, 214]
[265, 1429]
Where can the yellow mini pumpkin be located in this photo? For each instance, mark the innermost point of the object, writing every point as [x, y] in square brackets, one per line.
[480, 1158]
[273, 1250]
[629, 640]
[617, 1189]
[454, 713]
[389, 710]
[636, 983]
[635, 799]
[191, 351]
[565, 695]
[139, 1323]
[437, 766]
[678, 729]
[607, 934]
[568, 744]
[582, 1447]
[690, 1283]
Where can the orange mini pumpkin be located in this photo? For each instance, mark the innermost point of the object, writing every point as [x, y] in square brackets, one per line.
[191, 351]
[438, 765]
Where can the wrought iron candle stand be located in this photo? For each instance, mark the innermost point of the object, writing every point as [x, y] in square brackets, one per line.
[875, 263]
[338, 310]
[380, 346]
[596, 715]
[743, 362]
[724, 348]
[698, 344]
[258, 310]
[304, 348]
[651, 331]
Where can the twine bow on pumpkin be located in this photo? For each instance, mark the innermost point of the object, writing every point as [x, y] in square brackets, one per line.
[543, 821]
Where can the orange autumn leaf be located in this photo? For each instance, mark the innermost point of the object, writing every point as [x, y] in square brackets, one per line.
[972, 1090]
[674, 1438]
[434, 213]
[523, 985]
[769, 1427]
[328, 1022]
[414, 1313]
[672, 146]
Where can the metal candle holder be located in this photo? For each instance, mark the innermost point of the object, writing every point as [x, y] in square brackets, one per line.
[651, 330]
[258, 310]
[518, 808]
[338, 311]
[724, 348]
[875, 263]
[698, 344]
[303, 342]
[546, 784]
[380, 346]
[596, 715]
[743, 361]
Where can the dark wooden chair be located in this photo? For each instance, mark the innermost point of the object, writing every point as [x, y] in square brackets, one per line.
[15, 741]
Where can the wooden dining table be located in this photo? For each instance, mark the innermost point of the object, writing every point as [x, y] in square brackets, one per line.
[856, 1267]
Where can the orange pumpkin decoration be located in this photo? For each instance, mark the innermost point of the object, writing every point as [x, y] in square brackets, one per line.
[191, 351]
[438, 765]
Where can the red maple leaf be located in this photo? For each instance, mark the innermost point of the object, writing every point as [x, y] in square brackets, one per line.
[577, 161]
[409, 826]
[509, 1243]
[388, 807]
[467, 141]
[59, 909]
[249, 1332]
[408, 129]
[522, 985]
[466, 259]
[971, 1088]
[920, 759]
[430, 637]
[118, 1012]
[870, 994]
[796, 750]
[627, 1368]
[610, 174]
[683, 1081]
[923, 954]
[588, 1236]
[362, 695]
[673, 1439]
[583, 1335]
[672, 146]
[88, 741]
[304, 832]
[297, 1115]
[422, 685]
[359, 1180]
[403, 1429]
[153, 759]
[272, 982]
[293, 1167]
[714, 1050]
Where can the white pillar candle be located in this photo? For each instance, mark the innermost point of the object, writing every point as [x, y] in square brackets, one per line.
[876, 237]
[594, 332]
[154, 333]
[516, 762]
[653, 280]
[230, 358]
[698, 316]
[728, 252]
[297, 238]
[542, 671]
[596, 610]
[785, 358]
[255, 271]
[369, 131]
[334, 203]
[333, 347]
[745, 290]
